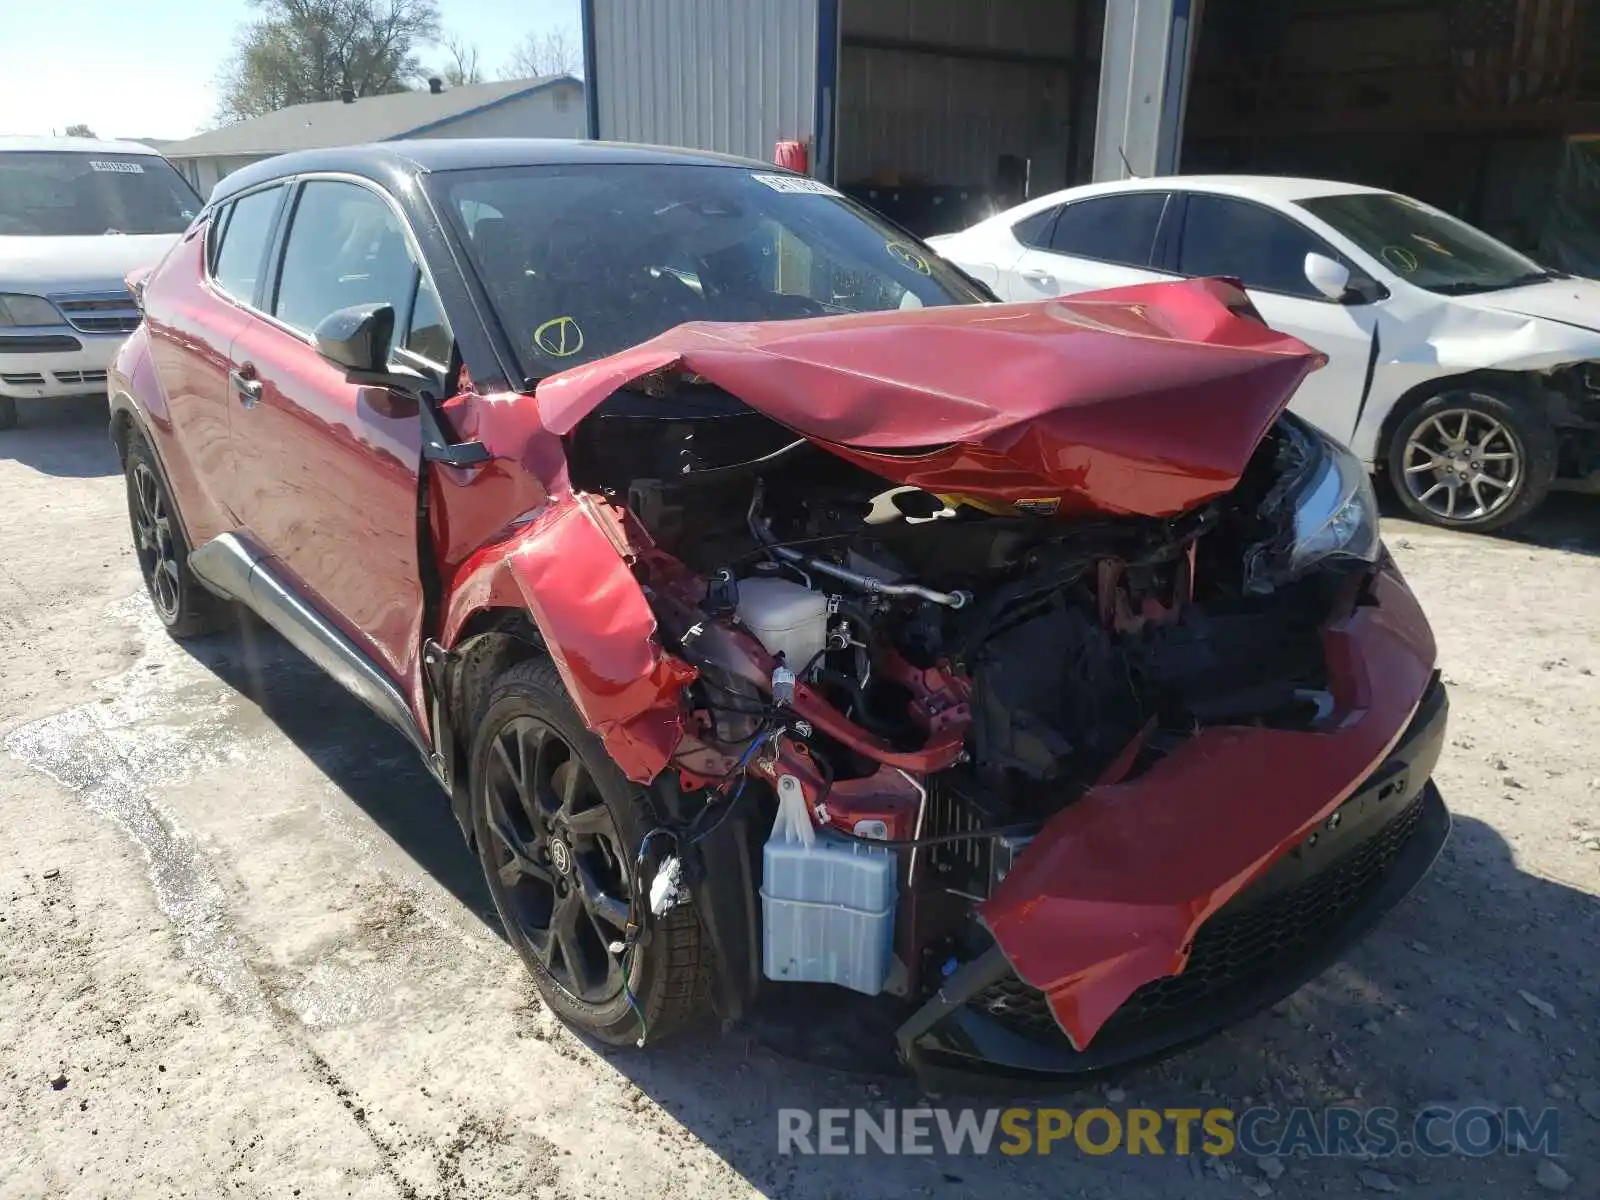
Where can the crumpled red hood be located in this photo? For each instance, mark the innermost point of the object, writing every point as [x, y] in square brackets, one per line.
[1145, 400]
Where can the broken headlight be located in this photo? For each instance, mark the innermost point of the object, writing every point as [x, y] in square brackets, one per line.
[1323, 505]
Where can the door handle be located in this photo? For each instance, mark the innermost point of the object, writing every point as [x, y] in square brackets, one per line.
[245, 385]
[1039, 278]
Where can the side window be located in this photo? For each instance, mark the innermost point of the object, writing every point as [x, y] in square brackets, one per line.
[214, 234]
[428, 335]
[1114, 229]
[1265, 249]
[345, 247]
[246, 225]
[1035, 230]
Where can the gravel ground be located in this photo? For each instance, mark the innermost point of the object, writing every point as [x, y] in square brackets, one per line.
[244, 952]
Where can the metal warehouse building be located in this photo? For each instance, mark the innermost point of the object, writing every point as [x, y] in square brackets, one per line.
[942, 99]
[932, 109]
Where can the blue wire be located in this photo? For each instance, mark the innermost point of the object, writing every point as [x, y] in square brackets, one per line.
[644, 1026]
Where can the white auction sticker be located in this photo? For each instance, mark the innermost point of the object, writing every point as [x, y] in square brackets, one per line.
[119, 168]
[794, 184]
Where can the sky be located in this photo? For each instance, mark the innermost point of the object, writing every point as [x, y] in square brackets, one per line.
[147, 68]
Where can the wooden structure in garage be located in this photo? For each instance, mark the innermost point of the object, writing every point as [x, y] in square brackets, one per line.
[1468, 104]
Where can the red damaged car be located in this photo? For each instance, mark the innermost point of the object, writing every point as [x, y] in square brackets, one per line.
[777, 611]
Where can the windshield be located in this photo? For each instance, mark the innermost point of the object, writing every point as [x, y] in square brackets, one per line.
[76, 194]
[583, 260]
[1425, 246]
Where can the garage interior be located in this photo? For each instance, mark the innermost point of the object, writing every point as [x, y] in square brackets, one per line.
[1488, 109]
[948, 109]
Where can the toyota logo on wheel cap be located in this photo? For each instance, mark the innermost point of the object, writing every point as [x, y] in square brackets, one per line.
[560, 856]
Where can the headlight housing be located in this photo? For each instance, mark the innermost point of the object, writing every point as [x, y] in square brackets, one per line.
[19, 309]
[1323, 504]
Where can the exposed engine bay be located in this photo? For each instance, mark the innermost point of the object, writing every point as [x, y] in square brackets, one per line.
[1072, 637]
[941, 672]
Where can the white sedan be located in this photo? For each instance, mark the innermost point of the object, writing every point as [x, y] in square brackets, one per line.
[1467, 371]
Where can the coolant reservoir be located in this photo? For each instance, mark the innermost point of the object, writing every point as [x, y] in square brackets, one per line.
[787, 618]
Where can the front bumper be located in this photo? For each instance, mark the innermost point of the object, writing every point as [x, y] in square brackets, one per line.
[986, 1025]
[55, 361]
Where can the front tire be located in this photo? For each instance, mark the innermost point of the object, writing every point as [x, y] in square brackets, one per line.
[558, 827]
[8, 413]
[1473, 459]
[185, 607]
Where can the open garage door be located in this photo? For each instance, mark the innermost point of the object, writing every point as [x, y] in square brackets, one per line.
[947, 110]
[1470, 105]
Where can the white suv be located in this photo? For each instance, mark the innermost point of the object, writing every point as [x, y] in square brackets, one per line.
[76, 217]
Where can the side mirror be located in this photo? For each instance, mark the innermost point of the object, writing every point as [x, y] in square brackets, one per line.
[1330, 278]
[357, 339]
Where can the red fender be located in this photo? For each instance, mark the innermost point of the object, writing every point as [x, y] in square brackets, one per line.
[565, 568]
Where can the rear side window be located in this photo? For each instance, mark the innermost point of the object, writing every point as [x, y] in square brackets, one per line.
[1113, 229]
[244, 228]
[1263, 248]
[345, 247]
[1035, 230]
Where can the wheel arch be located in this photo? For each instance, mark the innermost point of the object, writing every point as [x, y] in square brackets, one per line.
[578, 599]
[1528, 386]
[127, 420]
[491, 641]
[122, 427]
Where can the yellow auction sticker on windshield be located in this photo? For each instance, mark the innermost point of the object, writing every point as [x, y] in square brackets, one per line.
[559, 337]
[907, 256]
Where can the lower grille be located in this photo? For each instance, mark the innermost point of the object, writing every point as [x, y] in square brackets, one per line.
[37, 343]
[79, 376]
[105, 324]
[23, 379]
[1241, 943]
[104, 312]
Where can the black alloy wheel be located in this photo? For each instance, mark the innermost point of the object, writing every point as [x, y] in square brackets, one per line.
[560, 868]
[153, 541]
[558, 827]
[185, 607]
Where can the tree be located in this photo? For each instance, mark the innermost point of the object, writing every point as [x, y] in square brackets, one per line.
[300, 51]
[461, 62]
[80, 131]
[553, 52]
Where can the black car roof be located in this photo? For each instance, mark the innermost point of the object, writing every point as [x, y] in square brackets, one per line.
[384, 161]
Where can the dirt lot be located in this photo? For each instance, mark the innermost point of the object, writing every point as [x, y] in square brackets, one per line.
[244, 952]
